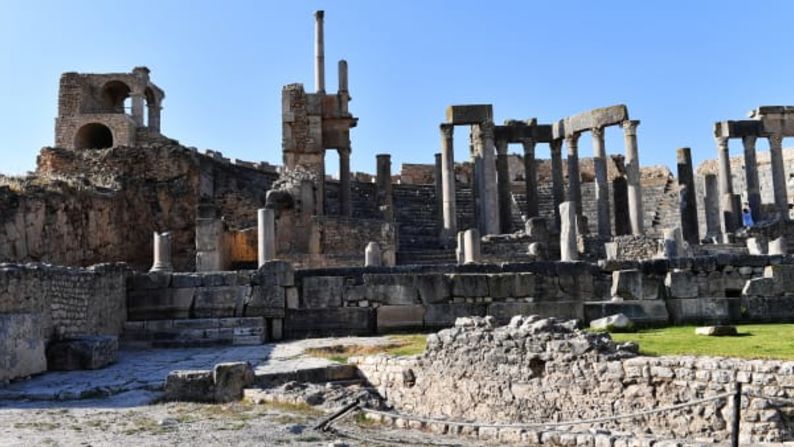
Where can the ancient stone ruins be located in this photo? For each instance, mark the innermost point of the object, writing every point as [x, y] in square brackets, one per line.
[124, 236]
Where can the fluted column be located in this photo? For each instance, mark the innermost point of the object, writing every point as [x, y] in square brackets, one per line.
[778, 174]
[483, 138]
[530, 177]
[557, 182]
[751, 177]
[503, 185]
[601, 183]
[450, 226]
[633, 184]
[574, 182]
[344, 181]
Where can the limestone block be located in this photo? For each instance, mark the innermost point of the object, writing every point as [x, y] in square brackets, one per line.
[278, 273]
[763, 287]
[190, 386]
[469, 285]
[640, 312]
[612, 322]
[756, 246]
[400, 317]
[156, 304]
[266, 301]
[292, 297]
[444, 315]
[433, 288]
[391, 289]
[704, 309]
[783, 274]
[21, 346]
[91, 352]
[469, 114]
[681, 284]
[277, 329]
[150, 280]
[778, 246]
[511, 285]
[627, 284]
[322, 292]
[230, 379]
[716, 331]
[186, 280]
[220, 302]
[331, 321]
[503, 312]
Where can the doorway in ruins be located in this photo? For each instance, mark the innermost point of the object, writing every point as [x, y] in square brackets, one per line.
[93, 136]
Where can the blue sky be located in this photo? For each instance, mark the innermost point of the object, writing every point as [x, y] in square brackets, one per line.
[678, 65]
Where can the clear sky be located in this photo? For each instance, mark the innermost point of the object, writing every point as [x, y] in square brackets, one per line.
[678, 65]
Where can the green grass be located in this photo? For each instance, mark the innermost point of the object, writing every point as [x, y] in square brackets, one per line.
[755, 341]
[399, 345]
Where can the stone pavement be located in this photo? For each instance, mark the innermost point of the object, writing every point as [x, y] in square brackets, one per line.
[139, 375]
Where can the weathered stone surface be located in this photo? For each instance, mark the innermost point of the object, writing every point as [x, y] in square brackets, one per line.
[166, 303]
[627, 284]
[400, 317]
[763, 287]
[322, 292]
[716, 331]
[503, 312]
[332, 321]
[469, 114]
[190, 386]
[390, 289]
[612, 322]
[230, 379]
[681, 284]
[469, 285]
[511, 285]
[433, 288]
[266, 301]
[219, 302]
[704, 309]
[21, 346]
[92, 352]
[640, 312]
[444, 315]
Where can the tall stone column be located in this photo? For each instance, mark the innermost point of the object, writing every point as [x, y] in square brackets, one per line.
[266, 235]
[162, 253]
[344, 182]
[483, 139]
[711, 203]
[530, 177]
[687, 197]
[450, 226]
[569, 250]
[574, 182]
[503, 185]
[730, 214]
[137, 108]
[557, 182]
[601, 183]
[439, 193]
[384, 186]
[319, 52]
[633, 184]
[751, 177]
[778, 175]
[153, 123]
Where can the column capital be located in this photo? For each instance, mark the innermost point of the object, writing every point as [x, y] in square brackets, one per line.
[528, 143]
[555, 145]
[749, 140]
[501, 147]
[487, 128]
[344, 151]
[775, 140]
[598, 132]
[446, 130]
[722, 143]
[630, 126]
[572, 140]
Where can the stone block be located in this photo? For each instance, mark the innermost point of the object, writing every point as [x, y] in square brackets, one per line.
[292, 298]
[277, 329]
[503, 312]
[469, 114]
[627, 284]
[190, 386]
[400, 317]
[266, 301]
[612, 322]
[167, 303]
[767, 309]
[782, 274]
[756, 246]
[90, 352]
[763, 287]
[640, 311]
[704, 309]
[220, 302]
[716, 331]
[327, 322]
[21, 346]
[230, 379]
[181, 280]
[151, 280]
[681, 284]
[391, 289]
[511, 285]
[322, 292]
[276, 272]
[433, 288]
[444, 315]
[469, 285]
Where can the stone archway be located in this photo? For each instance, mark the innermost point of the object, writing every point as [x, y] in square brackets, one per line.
[93, 136]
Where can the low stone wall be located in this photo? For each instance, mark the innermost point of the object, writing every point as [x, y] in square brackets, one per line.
[545, 370]
[40, 303]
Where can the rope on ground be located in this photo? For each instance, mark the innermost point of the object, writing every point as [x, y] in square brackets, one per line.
[551, 424]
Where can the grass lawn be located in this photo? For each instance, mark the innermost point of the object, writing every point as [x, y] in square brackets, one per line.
[399, 345]
[755, 341]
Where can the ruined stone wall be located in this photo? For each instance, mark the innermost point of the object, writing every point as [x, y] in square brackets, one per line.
[40, 303]
[544, 370]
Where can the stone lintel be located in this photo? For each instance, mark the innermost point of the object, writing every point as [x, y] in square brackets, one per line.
[469, 114]
[585, 121]
[738, 129]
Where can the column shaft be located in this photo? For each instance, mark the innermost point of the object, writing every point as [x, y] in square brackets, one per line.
[731, 215]
[505, 197]
[489, 201]
[450, 226]
[266, 235]
[557, 182]
[778, 175]
[601, 182]
[530, 177]
[751, 178]
[711, 204]
[634, 187]
[383, 182]
[687, 200]
[137, 108]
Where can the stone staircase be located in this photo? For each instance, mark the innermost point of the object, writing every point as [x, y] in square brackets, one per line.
[416, 214]
[426, 257]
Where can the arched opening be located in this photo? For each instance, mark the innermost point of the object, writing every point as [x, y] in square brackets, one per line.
[93, 136]
[115, 96]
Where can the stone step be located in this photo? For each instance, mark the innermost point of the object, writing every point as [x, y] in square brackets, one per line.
[200, 332]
